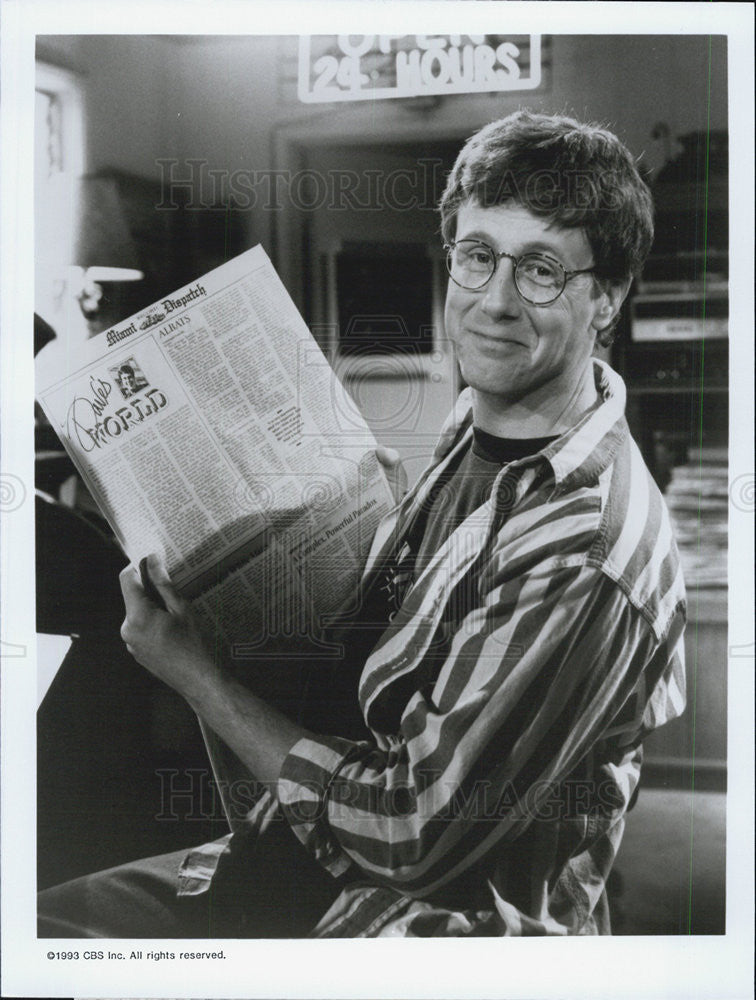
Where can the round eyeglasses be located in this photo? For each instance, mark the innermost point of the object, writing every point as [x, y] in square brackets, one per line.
[539, 279]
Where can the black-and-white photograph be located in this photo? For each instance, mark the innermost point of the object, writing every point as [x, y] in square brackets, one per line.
[384, 496]
[129, 378]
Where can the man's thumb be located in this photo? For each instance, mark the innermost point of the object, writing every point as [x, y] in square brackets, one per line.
[159, 575]
[394, 469]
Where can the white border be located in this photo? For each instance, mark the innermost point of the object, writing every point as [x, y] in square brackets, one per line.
[618, 967]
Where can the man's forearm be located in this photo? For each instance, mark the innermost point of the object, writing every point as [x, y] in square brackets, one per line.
[260, 736]
[170, 645]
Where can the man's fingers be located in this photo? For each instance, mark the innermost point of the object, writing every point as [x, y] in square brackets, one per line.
[388, 457]
[131, 586]
[401, 479]
[159, 576]
[395, 471]
[134, 600]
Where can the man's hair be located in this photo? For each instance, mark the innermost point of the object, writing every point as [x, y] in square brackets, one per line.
[576, 175]
[126, 370]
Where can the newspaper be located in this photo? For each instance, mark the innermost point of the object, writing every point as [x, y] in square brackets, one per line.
[209, 427]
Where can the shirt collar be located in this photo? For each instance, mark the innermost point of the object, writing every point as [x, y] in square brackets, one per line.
[579, 455]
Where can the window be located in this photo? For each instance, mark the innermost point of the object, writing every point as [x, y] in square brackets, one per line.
[58, 162]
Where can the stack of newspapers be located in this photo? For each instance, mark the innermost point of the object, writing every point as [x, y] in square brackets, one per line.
[697, 499]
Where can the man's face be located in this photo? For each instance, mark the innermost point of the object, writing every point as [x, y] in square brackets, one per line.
[506, 347]
[128, 381]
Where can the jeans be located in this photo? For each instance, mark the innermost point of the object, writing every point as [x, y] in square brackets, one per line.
[265, 886]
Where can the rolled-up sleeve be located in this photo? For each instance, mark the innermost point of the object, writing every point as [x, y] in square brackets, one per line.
[307, 777]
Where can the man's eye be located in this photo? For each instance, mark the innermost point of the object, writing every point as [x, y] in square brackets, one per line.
[474, 256]
[540, 270]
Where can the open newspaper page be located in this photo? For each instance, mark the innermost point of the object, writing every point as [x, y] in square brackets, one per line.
[211, 428]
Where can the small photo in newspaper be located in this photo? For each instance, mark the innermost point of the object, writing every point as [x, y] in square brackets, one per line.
[129, 378]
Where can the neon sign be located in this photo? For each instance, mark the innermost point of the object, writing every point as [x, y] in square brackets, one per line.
[371, 67]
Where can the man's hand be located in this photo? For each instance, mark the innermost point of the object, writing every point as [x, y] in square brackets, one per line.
[168, 643]
[395, 471]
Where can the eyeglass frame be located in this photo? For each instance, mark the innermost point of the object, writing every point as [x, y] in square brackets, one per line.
[497, 255]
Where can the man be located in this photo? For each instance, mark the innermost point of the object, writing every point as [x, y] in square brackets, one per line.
[530, 609]
[128, 381]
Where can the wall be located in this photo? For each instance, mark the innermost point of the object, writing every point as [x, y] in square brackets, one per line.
[129, 84]
[629, 83]
[632, 83]
[219, 98]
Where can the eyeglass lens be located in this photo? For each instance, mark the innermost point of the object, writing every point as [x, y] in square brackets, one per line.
[537, 278]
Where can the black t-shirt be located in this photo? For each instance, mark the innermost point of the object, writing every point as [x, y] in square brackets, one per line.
[464, 489]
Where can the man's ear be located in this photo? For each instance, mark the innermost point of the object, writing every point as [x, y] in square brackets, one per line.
[609, 302]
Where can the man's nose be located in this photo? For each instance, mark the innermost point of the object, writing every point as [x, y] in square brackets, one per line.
[500, 297]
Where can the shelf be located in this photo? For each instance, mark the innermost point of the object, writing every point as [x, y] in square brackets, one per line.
[676, 390]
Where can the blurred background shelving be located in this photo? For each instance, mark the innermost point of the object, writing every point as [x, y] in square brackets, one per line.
[673, 354]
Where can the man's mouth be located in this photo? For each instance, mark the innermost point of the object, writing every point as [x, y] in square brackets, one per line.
[497, 339]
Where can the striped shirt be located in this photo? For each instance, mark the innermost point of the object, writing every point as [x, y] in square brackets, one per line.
[506, 701]
[495, 804]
